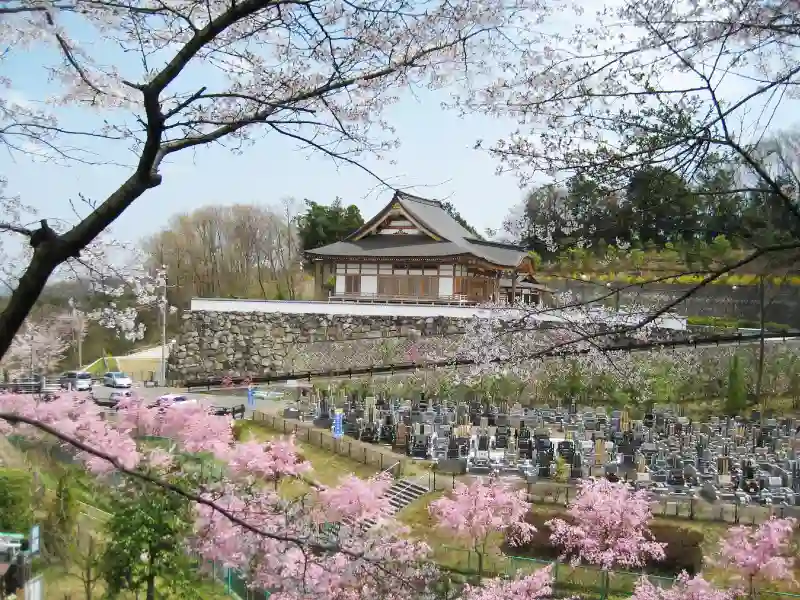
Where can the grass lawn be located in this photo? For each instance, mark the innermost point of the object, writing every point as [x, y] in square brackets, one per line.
[328, 467]
[65, 585]
[98, 368]
[139, 369]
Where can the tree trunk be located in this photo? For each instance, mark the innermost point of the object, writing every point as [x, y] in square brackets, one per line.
[30, 286]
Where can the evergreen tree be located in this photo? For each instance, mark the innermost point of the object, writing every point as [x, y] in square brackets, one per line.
[59, 526]
[736, 399]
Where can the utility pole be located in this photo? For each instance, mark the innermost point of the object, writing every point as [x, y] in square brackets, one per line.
[77, 334]
[162, 379]
[760, 374]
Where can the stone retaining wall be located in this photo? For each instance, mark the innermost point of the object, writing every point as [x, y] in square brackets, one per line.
[781, 303]
[236, 344]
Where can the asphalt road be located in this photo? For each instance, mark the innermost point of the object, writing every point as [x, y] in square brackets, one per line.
[216, 399]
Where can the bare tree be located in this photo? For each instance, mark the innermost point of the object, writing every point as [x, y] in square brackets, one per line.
[231, 251]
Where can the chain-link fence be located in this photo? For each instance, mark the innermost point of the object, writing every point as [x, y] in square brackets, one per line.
[368, 454]
[568, 581]
[233, 581]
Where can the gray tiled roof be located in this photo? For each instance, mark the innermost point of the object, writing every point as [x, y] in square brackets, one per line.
[390, 246]
[456, 239]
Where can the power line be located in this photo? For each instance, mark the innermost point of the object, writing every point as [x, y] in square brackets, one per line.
[629, 346]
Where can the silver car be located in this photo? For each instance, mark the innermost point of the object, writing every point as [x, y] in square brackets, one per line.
[117, 379]
[80, 381]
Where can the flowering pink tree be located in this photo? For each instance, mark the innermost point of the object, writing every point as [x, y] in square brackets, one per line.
[479, 510]
[608, 528]
[241, 520]
[684, 588]
[759, 554]
[39, 347]
[530, 587]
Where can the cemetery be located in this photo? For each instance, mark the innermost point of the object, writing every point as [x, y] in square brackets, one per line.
[683, 442]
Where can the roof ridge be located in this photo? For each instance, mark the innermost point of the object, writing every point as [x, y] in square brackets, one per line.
[479, 241]
[419, 199]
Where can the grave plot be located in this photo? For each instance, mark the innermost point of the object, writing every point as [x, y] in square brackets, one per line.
[743, 461]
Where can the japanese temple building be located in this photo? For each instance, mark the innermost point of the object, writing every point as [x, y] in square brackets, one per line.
[414, 251]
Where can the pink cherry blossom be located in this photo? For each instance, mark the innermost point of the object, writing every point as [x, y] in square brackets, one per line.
[380, 562]
[476, 511]
[684, 588]
[530, 587]
[72, 415]
[608, 526]
[759, 553]
[269, 461]
[355, 498]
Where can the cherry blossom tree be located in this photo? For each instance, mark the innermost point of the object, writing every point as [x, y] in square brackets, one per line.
[115, 275]
[759, 554]
[38, 347]
[684, 588]
[608, 527]
[665, 85]
[512, 336]
[240, 520]
[164, 79]
[477, 511]
[529, 587]
[748, 554]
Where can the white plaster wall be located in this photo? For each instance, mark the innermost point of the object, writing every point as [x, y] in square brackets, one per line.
[369, 285]
[667, 321]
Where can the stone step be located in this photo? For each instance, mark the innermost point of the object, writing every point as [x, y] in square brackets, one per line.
[411, 486]
[401, 493]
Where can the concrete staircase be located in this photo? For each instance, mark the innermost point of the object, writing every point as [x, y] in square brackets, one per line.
[402, 493]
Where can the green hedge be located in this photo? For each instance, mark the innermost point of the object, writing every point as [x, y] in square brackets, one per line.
[661, 278]
[724, 323]
[16, 501]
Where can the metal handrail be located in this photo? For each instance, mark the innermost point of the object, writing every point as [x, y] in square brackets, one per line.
[459, 299]
[389, 469]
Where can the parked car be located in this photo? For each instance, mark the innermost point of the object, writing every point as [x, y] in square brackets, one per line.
[109, 399]
[117, 379]
[169, 399]
[274, 395]
[80, 381]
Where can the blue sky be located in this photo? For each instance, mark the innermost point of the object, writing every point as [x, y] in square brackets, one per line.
[436, 160]
[436, 156]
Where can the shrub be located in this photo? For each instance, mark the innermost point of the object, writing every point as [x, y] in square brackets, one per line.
[16, 500]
